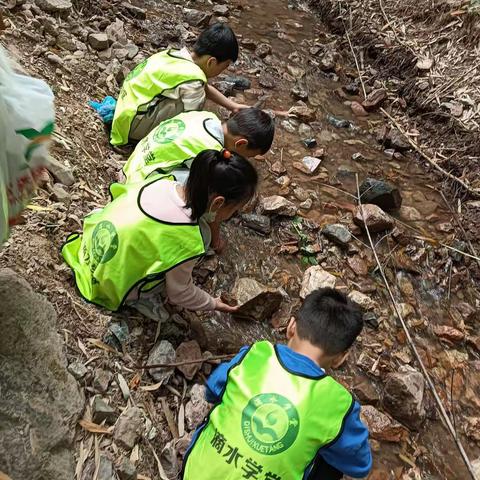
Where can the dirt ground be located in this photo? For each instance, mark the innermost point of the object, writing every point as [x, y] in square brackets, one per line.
[436, 286]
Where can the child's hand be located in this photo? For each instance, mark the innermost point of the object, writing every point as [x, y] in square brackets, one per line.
[223, 307]
[236, 107]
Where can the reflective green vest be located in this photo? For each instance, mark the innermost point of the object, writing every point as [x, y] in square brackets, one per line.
[269, 424]
[169, 145]
[123, 247]
[148, 80]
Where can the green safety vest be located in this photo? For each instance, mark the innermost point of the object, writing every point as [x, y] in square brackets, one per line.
[122, 247]
[269, 424]
[148, 80]
[169, 145]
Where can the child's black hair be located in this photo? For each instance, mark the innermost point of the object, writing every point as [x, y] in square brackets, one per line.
[329, 320]
[255, 125]
[225, 174]
[219, 41]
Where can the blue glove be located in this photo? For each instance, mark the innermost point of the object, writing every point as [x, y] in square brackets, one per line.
[105, 108]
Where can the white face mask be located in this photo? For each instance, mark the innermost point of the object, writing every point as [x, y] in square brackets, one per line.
[209, 216]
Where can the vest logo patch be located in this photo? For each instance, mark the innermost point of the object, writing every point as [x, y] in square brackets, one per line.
[168, 131]
[136, 71]
[270, 423]
[104, 242]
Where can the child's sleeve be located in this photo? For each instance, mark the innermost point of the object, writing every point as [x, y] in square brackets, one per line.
[350, 453]
[193, 95]
[218, 379]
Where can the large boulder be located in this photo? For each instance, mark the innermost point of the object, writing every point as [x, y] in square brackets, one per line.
[40, 401]
[403, 397]
[380, 193]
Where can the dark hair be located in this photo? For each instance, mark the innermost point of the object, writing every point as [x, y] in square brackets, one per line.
[223, 173]
[255, 125]
[329, 320]
[219, 41]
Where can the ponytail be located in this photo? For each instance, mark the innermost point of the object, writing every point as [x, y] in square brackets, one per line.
[223, 173]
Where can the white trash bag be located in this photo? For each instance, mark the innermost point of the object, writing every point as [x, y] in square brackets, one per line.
[27, 119]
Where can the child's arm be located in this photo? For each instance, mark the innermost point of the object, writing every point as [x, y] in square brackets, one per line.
[350, 453]
[220, 99]
[218, 379]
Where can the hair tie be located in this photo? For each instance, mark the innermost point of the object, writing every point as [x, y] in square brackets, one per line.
[226, 154]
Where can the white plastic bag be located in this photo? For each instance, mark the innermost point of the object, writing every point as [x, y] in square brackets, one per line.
[26, 123]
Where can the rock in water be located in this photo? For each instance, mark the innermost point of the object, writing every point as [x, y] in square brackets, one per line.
[279, 205]
[259, 223]
[53, 6]
[256, 301]
[197, 407]
[338, 234]
[128, 428]
[381, 426]
[40, 401]
[373, 217]
[403, 397]
[316, 277]
[162, 352]
[380, 193]
[188, 351]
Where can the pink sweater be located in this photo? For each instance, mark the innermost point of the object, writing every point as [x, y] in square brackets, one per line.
[163, 201]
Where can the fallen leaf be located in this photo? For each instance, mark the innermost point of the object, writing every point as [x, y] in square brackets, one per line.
[181, 421]
[94, 428]
[151, 388]
[103, 346]
[135, 381]
[122, 383]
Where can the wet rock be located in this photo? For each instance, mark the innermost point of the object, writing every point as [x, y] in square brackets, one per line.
[116, 32]
[221, 10]
[126, 470]
[303, 112]
[338, 234]
[381, 427]
[60, 172]
[361, 300]
[381, 193]
[366, 392]
[299, 93]
[54, 6]
[316, 277]
[373, 217]
[259, 223]
[328, 58]
[98, 41]
[263, 49]
[374, 100]
[40, 401]
[256, 301]
[358, 265]
[276, 204]
[351, 88]
[278, 168]
[448, 333]
[197, 407]
[101, 411]
[403, 396]
[105, 469]
[128, 428]
[266, 81]
[78, 370]
[188, 351]
[101, 380]
[60, 194]
[135, 11]
[239, 83]
[398, 141]
[358, 110]
[162, 352]
[338, 122]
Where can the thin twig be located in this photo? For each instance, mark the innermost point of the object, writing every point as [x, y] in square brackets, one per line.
[186, 362]
[413, 347]
[355, 58]
[473, 191]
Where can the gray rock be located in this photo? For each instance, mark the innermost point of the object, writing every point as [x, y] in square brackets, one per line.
[162, 352]
[373, 217]
[289, 125]
[305, 131]
[362, 300]
[78, 370]
[66, 41]
[307, 204]
[116, 32]
[277, 204]
[135, 11]
[132, 50]
[106, 54]
[53, 6]
[380, 193]
[54, 58]
[101, 411]
[299, 93]
[60, 194]
[128, 428]
[338, 234]
[98, 41]
[101, 380]
[259, 223]
[221, 10]
[126, 470]
[256, 301]
[197, 407]
[40, 401]
[263, 49]
[301, 194]
[316, 277]
[311, 163]
[197, 18]
[60, 172]
[105, 469]
[169, 460]
[120, 53]
[188, 351]
[239, 83]
[403, 397]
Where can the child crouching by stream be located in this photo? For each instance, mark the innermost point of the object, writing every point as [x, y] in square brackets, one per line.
[142, 247]
[277, 415]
